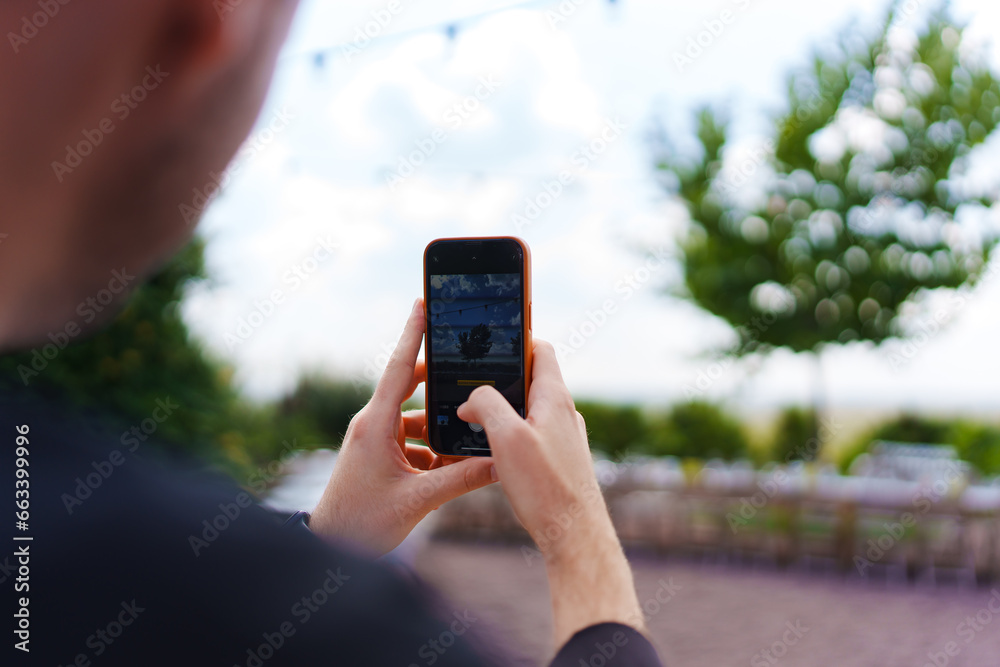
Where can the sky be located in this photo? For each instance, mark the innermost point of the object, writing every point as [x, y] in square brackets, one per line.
[461, 302]
[390, 124]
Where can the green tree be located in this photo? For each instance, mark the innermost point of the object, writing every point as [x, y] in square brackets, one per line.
[146, 355]
[699, 430]
[515, 344]
[475, 343]
[859, 203]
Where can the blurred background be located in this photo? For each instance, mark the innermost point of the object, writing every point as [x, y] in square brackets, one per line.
[761, 234]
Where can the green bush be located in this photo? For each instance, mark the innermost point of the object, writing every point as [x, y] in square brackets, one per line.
[975, 442]
[979, 444]
[614, 429]
[796, 428]
[326, 402]
[699, 430]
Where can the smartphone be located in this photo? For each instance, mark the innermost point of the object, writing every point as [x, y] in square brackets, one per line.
[477, 296]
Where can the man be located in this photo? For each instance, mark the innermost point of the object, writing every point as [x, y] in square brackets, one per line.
[87, 190]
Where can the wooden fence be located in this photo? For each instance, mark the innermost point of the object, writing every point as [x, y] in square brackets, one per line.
[796, 516]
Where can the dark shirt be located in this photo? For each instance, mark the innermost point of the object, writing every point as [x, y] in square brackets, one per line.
[135, 562]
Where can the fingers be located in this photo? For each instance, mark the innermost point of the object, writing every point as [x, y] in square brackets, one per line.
[414, 423]
[400, 376]
[419, 457]
[451, 481]
[488, 407]
[419, 375]
[543, 361]
[545, 374]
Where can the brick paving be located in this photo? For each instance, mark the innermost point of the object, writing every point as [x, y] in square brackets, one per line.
[730, 615]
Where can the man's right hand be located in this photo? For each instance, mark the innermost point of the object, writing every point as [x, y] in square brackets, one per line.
[545, 467]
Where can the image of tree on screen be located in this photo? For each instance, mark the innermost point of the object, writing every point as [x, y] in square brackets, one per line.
[475, 322]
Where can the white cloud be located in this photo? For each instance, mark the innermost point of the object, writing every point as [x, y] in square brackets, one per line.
[326, 174]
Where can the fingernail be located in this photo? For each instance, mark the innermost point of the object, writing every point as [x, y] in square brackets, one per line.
[493, 473]
[416, 305]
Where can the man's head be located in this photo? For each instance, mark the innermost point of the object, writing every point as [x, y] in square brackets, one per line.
[111, 113]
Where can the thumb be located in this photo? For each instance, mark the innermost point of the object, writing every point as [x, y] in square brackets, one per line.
[440, 485]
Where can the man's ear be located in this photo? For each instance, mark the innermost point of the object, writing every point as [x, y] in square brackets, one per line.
[201, 39]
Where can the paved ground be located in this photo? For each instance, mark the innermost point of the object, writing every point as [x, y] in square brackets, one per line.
[727, 615]
[722, 615]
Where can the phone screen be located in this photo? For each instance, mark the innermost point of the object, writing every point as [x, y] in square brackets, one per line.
[476, 298]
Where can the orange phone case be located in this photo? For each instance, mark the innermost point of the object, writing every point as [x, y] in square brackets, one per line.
[525, 317]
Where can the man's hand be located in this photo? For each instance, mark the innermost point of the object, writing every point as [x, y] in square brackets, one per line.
[547, 473]
[382, 486]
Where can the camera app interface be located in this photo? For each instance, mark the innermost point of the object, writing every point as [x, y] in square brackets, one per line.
[475, 329]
